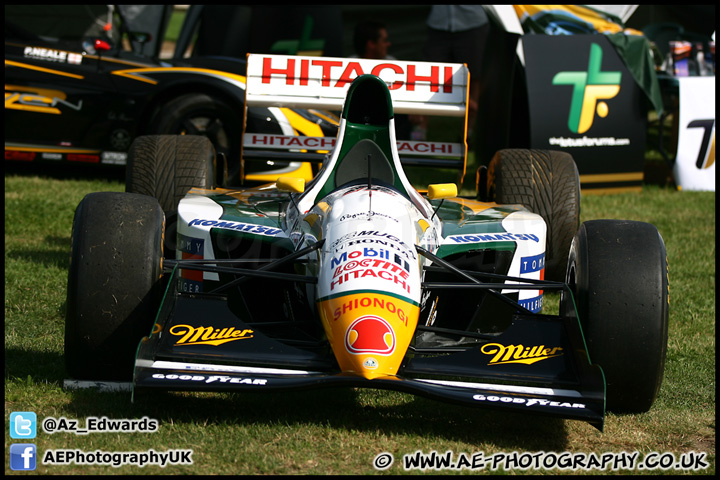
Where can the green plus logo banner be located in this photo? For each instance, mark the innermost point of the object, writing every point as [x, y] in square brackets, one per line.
[314, 30]
[589, 88]
[583, 100]
[305, 45]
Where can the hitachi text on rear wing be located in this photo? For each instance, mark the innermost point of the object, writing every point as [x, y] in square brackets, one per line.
[321, 83]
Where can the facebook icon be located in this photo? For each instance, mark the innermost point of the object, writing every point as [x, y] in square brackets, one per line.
[23, 456]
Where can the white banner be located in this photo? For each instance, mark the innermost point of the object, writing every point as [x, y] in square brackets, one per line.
[695, 162]
[322, 82]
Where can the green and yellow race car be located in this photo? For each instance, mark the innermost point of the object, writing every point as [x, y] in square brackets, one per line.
[357, 278]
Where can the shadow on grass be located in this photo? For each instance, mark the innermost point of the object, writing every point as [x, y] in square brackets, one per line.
[41, 367]
[55, 253]
[339, 408]
[67, 171]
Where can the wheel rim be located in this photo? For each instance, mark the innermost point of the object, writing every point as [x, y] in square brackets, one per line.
[208, 126]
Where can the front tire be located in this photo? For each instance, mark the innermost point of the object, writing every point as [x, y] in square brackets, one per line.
[114, 286]
[617, 271]
[547, 183]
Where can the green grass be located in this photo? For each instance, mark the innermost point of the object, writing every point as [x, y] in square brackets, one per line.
[174, 25]
[340, 431]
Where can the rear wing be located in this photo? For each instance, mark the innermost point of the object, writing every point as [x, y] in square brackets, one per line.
[321, 83]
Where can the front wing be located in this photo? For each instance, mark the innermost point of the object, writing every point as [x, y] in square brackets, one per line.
[538, 364]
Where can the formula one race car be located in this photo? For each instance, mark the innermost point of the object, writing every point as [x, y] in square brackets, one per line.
[358, 279]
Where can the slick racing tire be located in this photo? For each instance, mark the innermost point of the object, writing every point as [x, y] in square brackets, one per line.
[209, 116]
[166, 167]
[547, 183]
[114, 283]
[618, 273]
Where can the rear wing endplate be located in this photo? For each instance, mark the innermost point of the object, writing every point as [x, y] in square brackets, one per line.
[321, 83]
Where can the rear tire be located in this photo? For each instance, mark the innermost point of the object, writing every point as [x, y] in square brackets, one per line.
[209, 116]
[617, 271]
[166, 167]
[114, 283]
[547, 183]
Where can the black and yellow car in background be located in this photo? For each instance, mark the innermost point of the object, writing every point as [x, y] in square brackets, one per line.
[82, 81]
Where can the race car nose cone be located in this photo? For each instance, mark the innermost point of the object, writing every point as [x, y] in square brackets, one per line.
[369, 332]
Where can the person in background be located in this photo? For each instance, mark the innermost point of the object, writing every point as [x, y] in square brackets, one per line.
[371, 40]
[459, 34]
